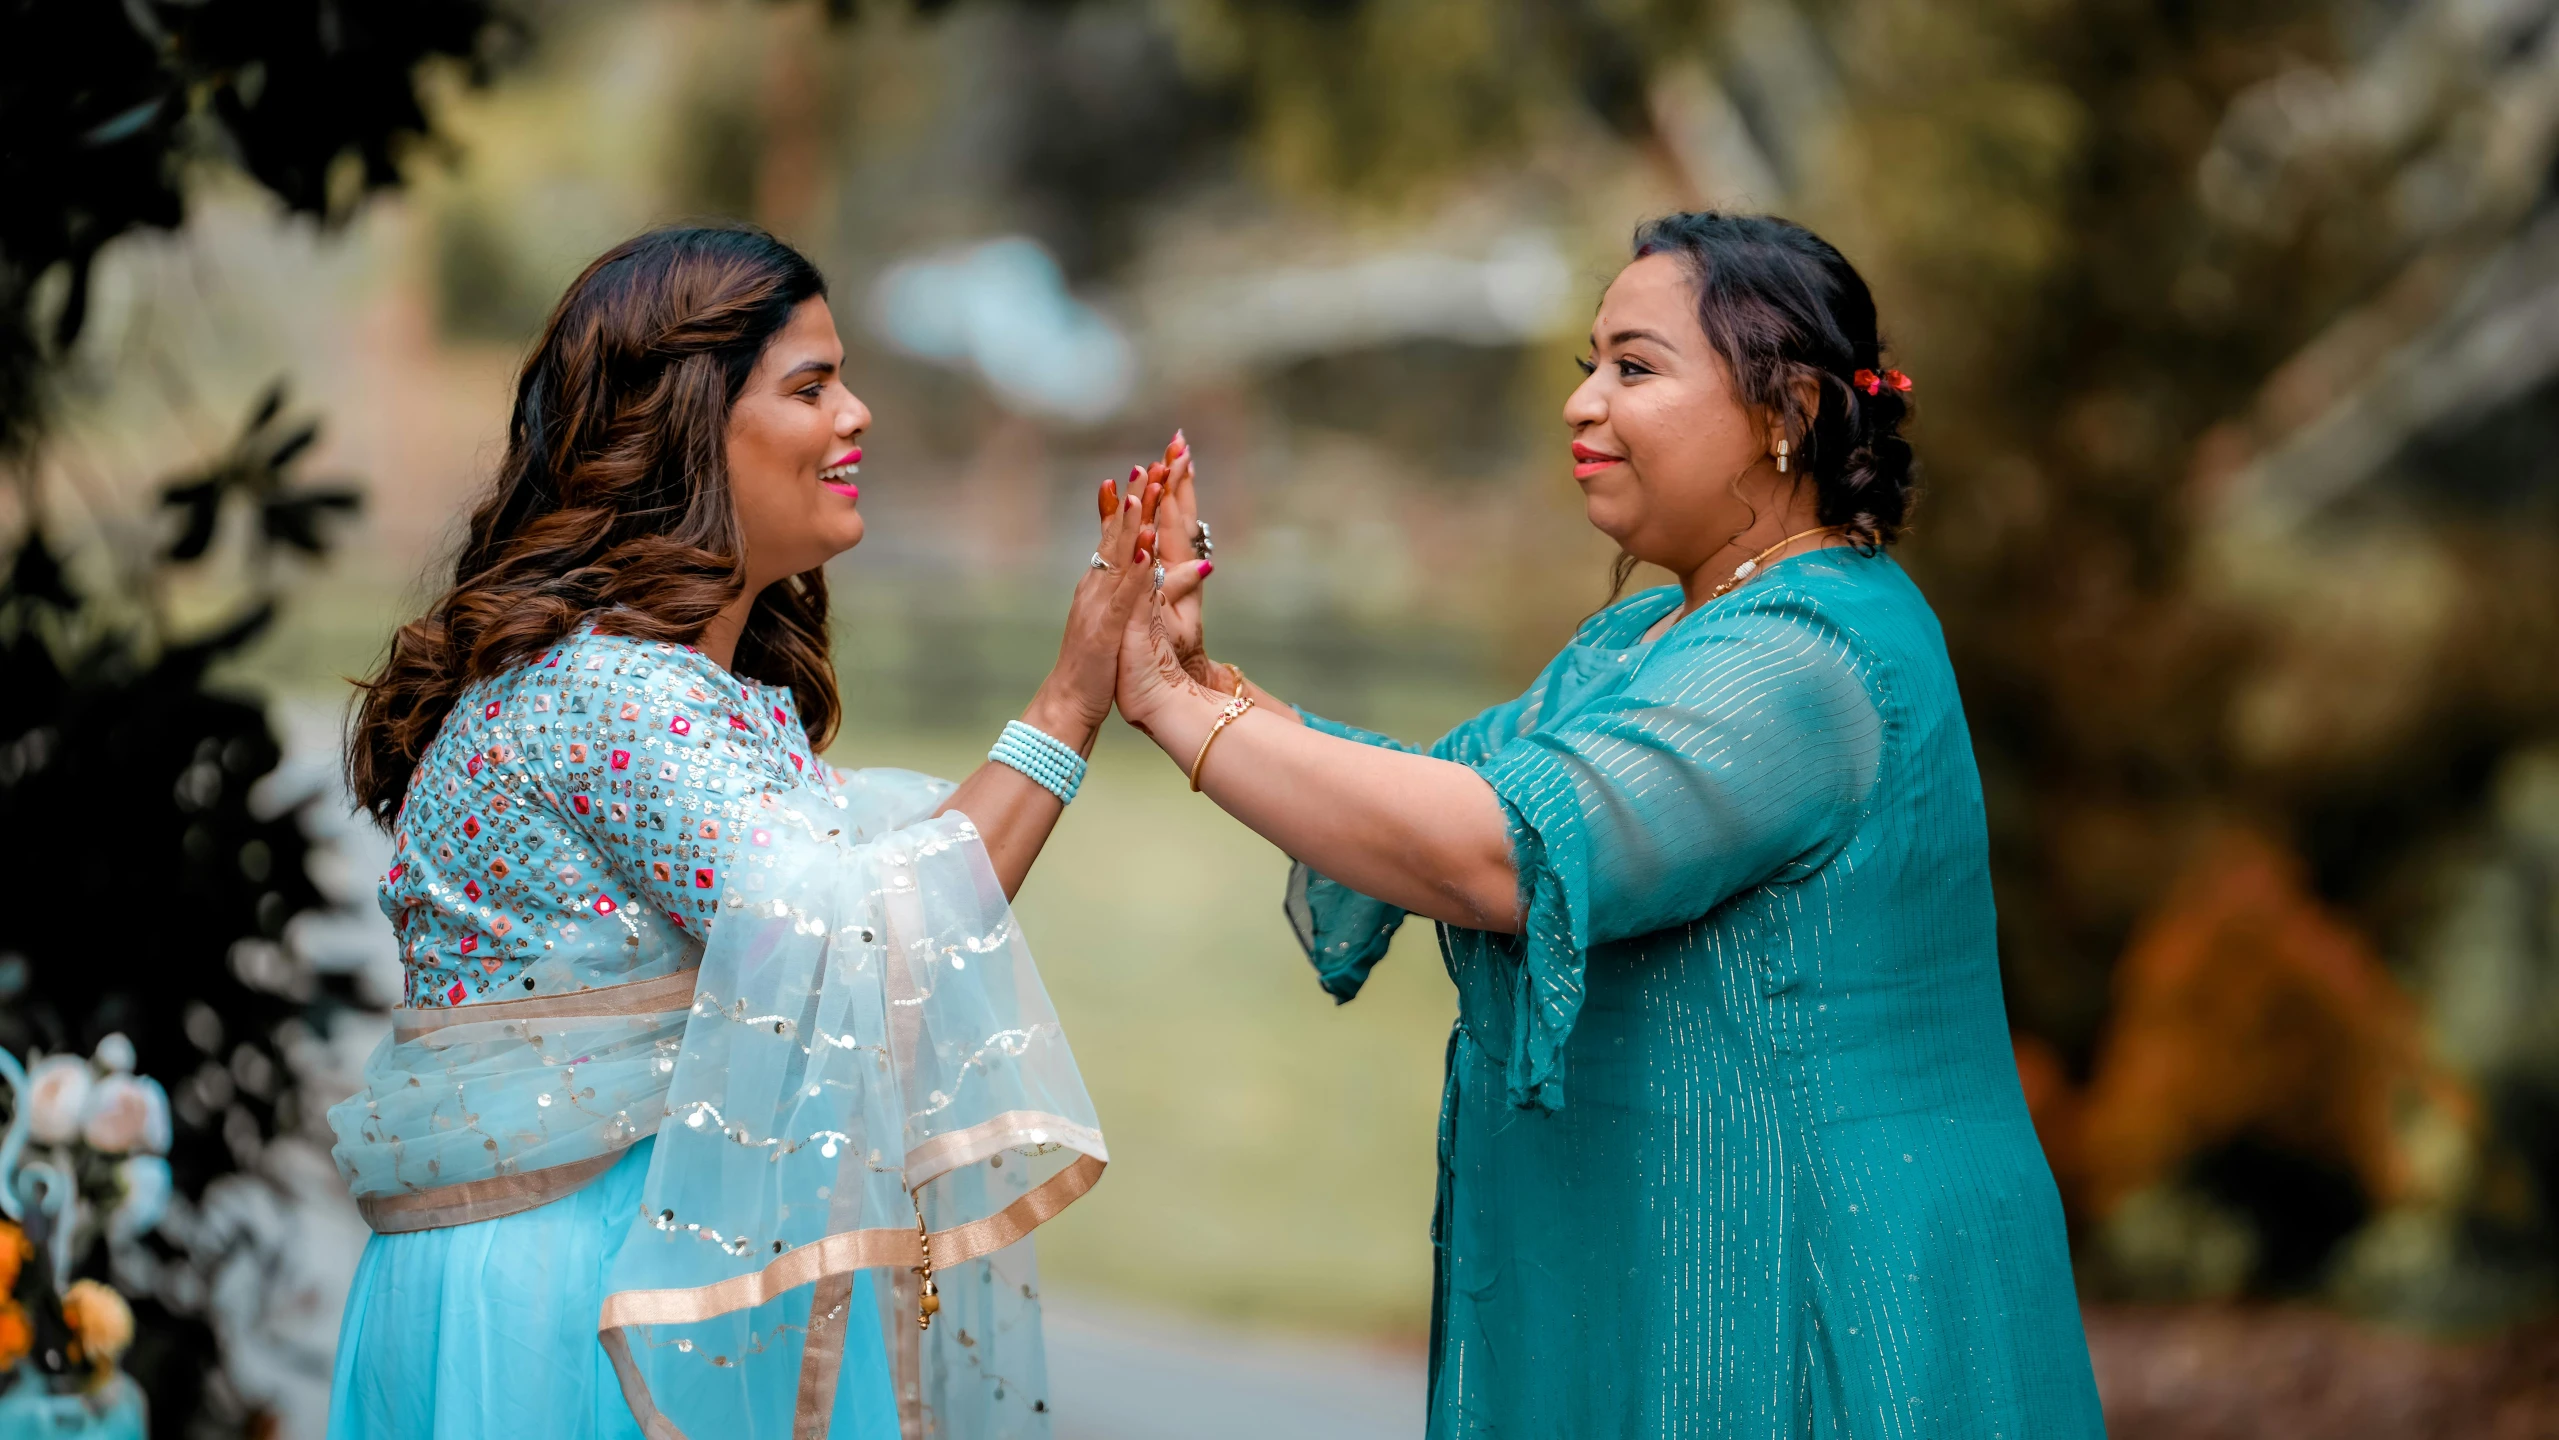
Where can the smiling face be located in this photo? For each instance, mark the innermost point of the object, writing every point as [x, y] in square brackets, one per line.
[1661, 443]
[792, 453]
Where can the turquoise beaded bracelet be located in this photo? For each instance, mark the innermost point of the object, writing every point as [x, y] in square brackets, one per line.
[1049, 761]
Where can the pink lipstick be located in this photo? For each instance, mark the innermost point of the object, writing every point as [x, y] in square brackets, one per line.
[838, 476]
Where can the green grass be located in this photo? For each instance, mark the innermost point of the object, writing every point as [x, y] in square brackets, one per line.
[1272, 1153]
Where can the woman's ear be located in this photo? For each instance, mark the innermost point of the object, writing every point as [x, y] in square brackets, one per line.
[1791, 420]
[1805, 389]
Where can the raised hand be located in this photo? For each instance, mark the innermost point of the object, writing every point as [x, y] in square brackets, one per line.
[1086, 674]
[1186, 562]
[1150, 668]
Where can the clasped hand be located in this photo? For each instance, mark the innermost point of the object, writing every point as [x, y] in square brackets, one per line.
[1127, 639]
[1163, 649]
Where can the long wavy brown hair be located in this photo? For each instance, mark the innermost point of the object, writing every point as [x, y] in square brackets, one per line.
[613, 500]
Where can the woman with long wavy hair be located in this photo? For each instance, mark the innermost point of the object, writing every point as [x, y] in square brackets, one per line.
[1732, 1143]
[720, 1074]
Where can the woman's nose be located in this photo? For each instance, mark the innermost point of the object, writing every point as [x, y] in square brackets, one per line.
[1584, 406]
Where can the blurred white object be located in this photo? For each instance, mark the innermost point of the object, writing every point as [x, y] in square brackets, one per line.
[1516, 292]
[126, 1113]
[1002, 308]
[114, 1054]
[147, 1187]
[58, 1098]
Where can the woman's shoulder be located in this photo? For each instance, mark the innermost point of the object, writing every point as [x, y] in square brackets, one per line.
[600, 685]
[1859, 610]
[1623, 622]
[587, 663]
[1835, 590]
[592, 654]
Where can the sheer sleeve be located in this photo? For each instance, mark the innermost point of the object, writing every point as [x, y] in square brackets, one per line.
[1738, 756]
[1344, 932]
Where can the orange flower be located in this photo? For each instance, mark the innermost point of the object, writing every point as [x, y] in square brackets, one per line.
[99, 1316]
[14, 1252]
[15, 1337]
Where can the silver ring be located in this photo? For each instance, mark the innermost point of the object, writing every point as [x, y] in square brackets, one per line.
[1159, 574]
[1098, 563]
[1200, 545]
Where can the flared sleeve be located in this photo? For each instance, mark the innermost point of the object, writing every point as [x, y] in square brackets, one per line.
[1344, 932]
[1739, 755]
[871, 1077]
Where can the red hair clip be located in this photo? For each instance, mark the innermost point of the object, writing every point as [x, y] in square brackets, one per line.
[1873, 384]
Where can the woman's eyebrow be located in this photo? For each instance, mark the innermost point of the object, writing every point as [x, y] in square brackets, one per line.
[823, 367]
[1625, 336]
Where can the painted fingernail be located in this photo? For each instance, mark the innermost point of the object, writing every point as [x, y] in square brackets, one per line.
[1205, 567]
[1181, 442]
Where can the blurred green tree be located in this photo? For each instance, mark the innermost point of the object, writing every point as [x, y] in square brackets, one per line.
[158, 883]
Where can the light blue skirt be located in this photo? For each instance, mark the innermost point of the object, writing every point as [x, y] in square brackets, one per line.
[488, 1330]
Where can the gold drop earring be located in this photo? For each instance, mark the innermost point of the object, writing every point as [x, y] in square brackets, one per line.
[1781, 457]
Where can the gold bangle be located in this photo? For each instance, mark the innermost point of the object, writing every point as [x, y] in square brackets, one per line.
[1239, 674]
[1235, 708]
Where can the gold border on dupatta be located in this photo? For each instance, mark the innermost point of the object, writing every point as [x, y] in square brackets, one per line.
[470, 1201]
[895, 1249]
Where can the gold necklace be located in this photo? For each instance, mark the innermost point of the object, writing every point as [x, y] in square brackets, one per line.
[1750, 567]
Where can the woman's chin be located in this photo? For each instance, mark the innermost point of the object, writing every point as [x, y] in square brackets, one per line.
[1609, 519]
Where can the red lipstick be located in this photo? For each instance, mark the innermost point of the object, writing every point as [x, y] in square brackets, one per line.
[1588, 462]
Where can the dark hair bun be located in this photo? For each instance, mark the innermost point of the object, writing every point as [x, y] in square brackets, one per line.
[1781, 303]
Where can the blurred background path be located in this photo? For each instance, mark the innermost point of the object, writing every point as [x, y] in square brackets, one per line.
[1118, 1373]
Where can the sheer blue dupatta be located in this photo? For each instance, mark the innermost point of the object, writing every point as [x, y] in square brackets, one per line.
[871, 1077]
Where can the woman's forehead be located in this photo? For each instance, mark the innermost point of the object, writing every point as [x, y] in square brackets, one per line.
[1653, 295]
[809, 335]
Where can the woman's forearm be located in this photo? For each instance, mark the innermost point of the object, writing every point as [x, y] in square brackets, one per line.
[1423, 834]
[1012, 812]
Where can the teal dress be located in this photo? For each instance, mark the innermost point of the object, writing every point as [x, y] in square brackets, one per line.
[1732, 1143]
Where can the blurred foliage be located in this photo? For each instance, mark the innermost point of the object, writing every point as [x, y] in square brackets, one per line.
[2259, 1047]
[104, 107]
[1386, 99]
[161, 883]
[160, 880]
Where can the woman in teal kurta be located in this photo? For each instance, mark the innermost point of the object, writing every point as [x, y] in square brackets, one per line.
[1732, 1143]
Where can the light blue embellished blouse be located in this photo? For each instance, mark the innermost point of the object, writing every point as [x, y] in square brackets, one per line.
[571, 823]
[1732, 1143]
[856, 1069]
